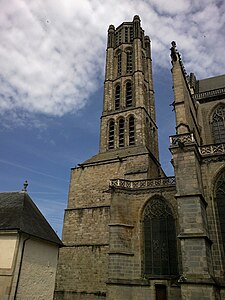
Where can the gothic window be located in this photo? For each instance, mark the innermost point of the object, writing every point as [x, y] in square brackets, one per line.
[117, 97]
[129, 62]
[111, 134]
[159, 239]
[218, 125]
[119, 63]
[121, 132]
[220, 200]
[131, 131]
[129, 94]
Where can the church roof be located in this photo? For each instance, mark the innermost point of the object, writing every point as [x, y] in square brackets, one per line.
[211, 83]
[116, 153]
[18, 212]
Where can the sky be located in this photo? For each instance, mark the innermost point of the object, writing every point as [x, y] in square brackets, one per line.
[52, 62]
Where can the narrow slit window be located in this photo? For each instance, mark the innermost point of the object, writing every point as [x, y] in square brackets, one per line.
[126, 34]
[143, 62]
[111, 135]
[129, 101]
[129, 62]
[131, 131]
[120, 37]
[117, 39]
[121, 133]
[117, 97]
[119, 63]
[131, 34]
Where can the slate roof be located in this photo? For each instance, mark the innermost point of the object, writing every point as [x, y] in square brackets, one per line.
[114, 154]
[211, 83]
[18, 212]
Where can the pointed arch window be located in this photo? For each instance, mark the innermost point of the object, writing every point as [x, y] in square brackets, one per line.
[129, 100]
[159, 239]
[218, 125]
[131, 34]
[117, 97]
[121, 132]
[131, 131]
[220, 200]
[129, 62]
[111, 134]
[119, 64]
[126, 35]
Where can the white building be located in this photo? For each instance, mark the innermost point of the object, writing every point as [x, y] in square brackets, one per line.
[28, 250]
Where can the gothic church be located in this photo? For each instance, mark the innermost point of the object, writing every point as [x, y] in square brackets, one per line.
[130, 232]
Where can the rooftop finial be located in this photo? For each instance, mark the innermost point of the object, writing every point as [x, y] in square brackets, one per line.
[173, 51]
[25, 185]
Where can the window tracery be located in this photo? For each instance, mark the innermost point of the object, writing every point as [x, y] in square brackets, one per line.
[159, 239]
[218, 125]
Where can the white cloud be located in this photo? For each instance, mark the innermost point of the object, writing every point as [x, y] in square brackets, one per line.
[52, 53]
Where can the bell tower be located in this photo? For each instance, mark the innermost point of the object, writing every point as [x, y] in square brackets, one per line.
[128, 117]
[98, 228]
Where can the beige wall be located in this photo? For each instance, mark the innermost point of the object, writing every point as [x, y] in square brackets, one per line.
[7, 246]
[8, 251]
[37, 277]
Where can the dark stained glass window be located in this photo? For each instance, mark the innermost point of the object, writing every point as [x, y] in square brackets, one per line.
[218, 125]
[220, 199]
[159, 239]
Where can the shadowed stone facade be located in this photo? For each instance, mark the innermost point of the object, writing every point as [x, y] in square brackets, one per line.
[129, 231]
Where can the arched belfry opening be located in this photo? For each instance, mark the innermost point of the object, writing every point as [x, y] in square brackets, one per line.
[160, 243]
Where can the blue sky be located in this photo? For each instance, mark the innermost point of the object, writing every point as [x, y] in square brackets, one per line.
[52, 73]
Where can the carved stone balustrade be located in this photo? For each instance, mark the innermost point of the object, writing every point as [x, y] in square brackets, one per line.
[212, 149]
[182, 139]
[143, 184]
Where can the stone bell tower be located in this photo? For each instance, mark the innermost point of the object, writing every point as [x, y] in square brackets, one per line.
[128, 150]
[128, 117]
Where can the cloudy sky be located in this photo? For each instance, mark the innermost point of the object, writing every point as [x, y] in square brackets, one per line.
[52, 56]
